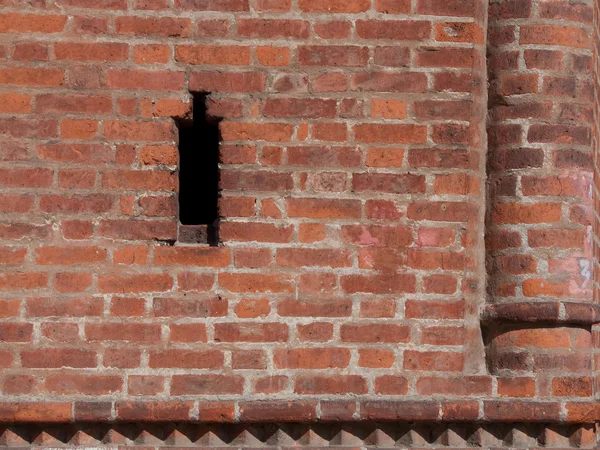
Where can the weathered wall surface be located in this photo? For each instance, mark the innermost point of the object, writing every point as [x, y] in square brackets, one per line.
[368, 146]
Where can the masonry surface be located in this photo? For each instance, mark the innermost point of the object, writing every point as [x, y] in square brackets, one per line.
[407, 219]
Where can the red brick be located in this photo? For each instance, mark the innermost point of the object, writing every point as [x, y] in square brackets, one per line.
[312, 257]
[309, 108]
[10, 203]
[31, 23]
[31, 77]
[378, 284]
[78, 128]
[248, 359]
[57, 358]
[16, 332]
[153, 412]
[95, 4]
[391, 134]
[189, 359]
[393, 6]
[529, 411]
[79, 307]
[134, 283]
[192, 256]
[145, 385]
[193, 307]
[556, 238]
[255, 282]
[76, 153]
[273, 56]
[391, 385]
[250, 332]
[311, 358]
[266, 411]
[151, 54]
[12, 255]
[10, 281]
[315, 332]
[273, 28]
[91, 51]
[433, 361]
[323, 208]
[215, 5]
[271, 132]
[554, 35]
[15, 103]
[160, 26]
[271, 385]
[467, 386]
[389, 82]
[88, 104]
[321, 55]
[335, 384]
[375, 358]
[19, 384]
[321, 156]
[523, 213]
[84, 384]
[23, 177]
[445, 57]
[574, 12]
[333, 30]
[213, 55]
[147, 80]
[252, 308]
[212, 27]
[206, 385]
[395, 184]
[395, 56]
[314, 308]
[95, 203]
[389, 333]
[130, 332]
[409, 30]
[335, 6]
[424, 410]
[572, 387]
[227, 82]
[458, 32]
[458, 8]
[72, 282]
[144, 131]
[37, 412]
[191, 332]
[30, 51]
[70, 255]
[90, 25]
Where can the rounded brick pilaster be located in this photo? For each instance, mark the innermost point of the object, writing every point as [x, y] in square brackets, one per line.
[539, 217]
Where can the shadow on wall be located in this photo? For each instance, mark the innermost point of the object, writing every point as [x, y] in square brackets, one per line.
[199, 140]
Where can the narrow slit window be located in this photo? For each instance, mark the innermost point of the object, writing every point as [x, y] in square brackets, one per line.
[199, 175]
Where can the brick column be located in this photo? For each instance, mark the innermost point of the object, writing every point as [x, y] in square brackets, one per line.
[539, 221]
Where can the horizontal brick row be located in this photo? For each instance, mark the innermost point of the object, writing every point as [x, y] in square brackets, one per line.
[306, 411]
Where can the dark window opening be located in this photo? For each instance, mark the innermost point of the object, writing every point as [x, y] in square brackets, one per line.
[199, 175]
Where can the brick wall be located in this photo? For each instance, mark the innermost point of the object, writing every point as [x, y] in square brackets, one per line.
[367, 148]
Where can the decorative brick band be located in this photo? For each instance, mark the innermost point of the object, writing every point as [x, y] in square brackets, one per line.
[306, 411]
[275, 435]
[543, 312]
